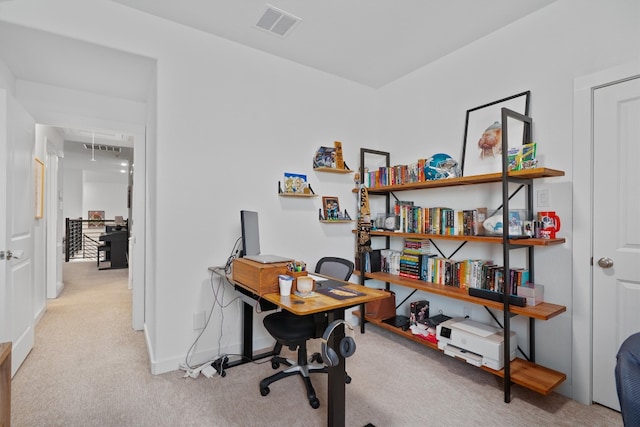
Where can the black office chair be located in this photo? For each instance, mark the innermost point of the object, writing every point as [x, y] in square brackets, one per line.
[294, 331]
[628, 380]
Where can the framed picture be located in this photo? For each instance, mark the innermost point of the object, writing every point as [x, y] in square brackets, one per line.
[96, 219]
[295, 183]
[39, 188]
[325, 158]
[482, 150]
[330, 207]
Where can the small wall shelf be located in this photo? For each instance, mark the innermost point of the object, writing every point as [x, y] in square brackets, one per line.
[332, 170]
[336, 221]
[297, 195]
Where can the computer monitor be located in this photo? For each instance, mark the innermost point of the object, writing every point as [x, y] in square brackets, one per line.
[250, 233]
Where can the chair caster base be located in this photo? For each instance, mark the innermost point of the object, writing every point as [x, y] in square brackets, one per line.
[314, 402]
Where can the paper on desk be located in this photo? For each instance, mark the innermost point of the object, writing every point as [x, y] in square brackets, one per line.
[317, 278]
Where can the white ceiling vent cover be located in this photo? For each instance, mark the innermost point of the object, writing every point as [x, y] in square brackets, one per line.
[277, 21]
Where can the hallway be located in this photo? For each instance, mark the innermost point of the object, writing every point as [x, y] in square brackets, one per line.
[85, 351]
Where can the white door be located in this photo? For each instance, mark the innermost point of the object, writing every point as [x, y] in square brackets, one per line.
[17, 213]
[616, 229]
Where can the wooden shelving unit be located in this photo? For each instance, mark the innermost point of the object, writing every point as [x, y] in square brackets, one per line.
[523, 372]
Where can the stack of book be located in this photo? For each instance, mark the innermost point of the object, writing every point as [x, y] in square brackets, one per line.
[415, 250]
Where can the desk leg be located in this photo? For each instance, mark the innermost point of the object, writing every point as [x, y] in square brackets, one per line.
[337, 375]
[247, 336]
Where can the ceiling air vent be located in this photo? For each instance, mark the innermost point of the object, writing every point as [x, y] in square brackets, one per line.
[102, 147]
[277, 21]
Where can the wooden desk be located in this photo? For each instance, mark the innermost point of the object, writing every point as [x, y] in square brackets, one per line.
[319, 304]
[335, 309]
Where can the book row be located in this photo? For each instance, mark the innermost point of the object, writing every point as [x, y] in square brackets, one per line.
[395, 175]
[439, 220]
[483, 274]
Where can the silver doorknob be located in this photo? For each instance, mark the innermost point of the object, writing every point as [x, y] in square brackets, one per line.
[605, 262]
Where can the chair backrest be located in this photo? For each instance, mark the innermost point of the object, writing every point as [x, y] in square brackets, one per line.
[627, 374]
[338, 268]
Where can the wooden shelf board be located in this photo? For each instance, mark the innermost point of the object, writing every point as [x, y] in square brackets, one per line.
[296, 195]
[482, 239]
[332, 170]
[467, 180]
[336, 221]
[543, 311]
[532, 376]
[529, 375]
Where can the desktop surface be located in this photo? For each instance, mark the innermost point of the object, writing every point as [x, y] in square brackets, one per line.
[320, 303]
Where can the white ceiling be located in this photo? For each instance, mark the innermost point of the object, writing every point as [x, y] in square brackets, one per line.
[372, 42]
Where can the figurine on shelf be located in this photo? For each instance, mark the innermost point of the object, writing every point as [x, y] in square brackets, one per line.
[339, 159]
[364, 222]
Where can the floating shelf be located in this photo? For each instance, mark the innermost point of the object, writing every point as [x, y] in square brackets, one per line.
[297, 195]
[332, 170]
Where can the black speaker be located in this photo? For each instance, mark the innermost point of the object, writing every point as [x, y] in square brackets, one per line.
[375, 260]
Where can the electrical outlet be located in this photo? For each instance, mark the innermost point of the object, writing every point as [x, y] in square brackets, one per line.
[543, 198]
[466, 310]
[198, 320]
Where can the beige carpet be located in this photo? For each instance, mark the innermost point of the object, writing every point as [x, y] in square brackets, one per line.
[89, 368]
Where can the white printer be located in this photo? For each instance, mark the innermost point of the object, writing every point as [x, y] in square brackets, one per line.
[477, 343]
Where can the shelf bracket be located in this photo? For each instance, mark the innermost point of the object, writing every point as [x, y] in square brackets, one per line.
[405, 300]
[452, 254]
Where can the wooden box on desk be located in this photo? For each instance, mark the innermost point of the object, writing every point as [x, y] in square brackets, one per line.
[261, 278]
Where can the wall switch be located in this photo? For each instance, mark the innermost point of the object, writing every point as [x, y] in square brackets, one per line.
[198, 320]
[543, 198]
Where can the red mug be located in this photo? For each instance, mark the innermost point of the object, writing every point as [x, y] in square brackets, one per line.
[549, 222]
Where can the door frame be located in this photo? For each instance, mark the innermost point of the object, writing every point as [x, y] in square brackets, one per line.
[137, 244]
[582, 301]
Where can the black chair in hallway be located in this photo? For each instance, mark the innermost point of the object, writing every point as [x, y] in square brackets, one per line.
[294, 332]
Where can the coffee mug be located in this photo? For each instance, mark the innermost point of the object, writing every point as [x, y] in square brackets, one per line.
[549, 221]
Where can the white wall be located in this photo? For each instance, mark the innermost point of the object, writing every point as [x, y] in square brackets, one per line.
[102, 195]
[230, 120]
[72, 181]
[543, 53]
[86, 190]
